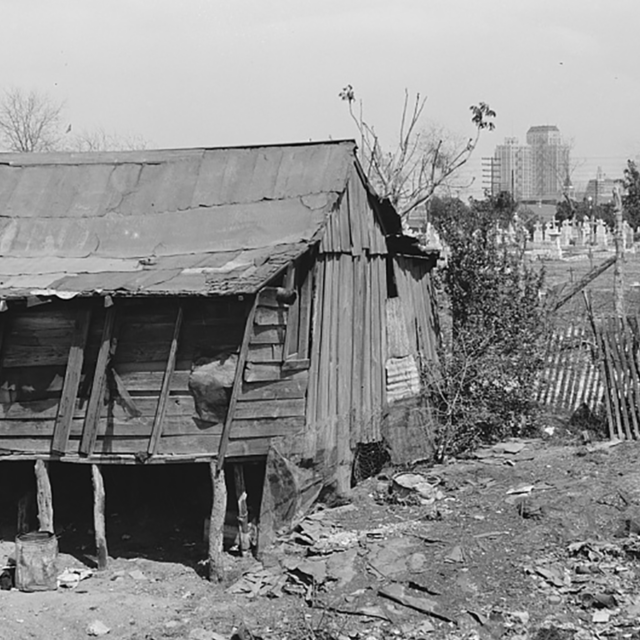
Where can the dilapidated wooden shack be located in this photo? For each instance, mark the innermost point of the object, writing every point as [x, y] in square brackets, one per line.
[192, 305]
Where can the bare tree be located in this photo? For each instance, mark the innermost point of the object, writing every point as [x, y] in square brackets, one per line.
[101, 140]
[422, 160]
[29, 121]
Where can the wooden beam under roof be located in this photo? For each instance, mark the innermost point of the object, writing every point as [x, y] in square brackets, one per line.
[90, 432]
[71, 381]
[161, 409]
[237, 383]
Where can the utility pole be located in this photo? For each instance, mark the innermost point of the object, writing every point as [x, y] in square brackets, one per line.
[618, 274]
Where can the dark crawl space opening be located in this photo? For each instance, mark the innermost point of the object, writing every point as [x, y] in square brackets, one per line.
[159, 512]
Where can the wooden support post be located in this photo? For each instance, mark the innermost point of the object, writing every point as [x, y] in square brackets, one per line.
[216, 523]
[243, 513]
[98, 517]
[237, 383]
[45, 500]
[92, 419]
[71, 382]
[618, 275]
[25, 512]
[161, 409]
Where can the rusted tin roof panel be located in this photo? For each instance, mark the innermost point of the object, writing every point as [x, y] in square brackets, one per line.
[192, 221]
[204, 230]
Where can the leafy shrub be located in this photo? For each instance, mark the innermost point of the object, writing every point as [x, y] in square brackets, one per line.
[492, 344]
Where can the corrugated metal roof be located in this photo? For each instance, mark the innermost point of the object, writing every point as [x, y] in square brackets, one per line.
[203, 221]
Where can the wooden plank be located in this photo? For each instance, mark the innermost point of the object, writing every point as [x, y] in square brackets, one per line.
[619, 377]
[5, 323]
[356, 347]
[295, 365]
[71, 381]
[243, 513]
[566, 367]
[268, 334]
[265, 353]
[324, 370]
[603, 368]
[293, 317]
[123, 396]
[271, 316]
[237, 382]
[270, 409]
[98, 386]
[377, 393]
[366, 344]
[269, 298]
[99, 526]
[556, 369]
[343, 224]
[12, 431]
[216, 522]
[161, 410]
[44, 497]
[336, 284]
[304, 322]
[625, 381]
[611, 384]
[136, 381]
[293, 386]
[551, 356]
[632, 364]
[264, 372]
[360, 211]
[344, 376]
[355, 224]
[382, 327]
[31, 356]
[146, 406]
[312, 380]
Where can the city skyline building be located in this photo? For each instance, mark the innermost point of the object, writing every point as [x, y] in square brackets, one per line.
[538, 171]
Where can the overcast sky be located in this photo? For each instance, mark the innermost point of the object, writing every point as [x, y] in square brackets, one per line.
[187, 73]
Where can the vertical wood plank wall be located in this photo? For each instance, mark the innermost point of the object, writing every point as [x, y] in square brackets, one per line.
[347, 381]
[346, 394]
[416, 298]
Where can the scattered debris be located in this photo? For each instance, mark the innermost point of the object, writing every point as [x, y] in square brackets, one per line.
[204, 634]
[97, 628]
[71, 578]
[398, 593]
[455, 555]
[521, 489]
[137, 575]
[511, 446]
[423, 489]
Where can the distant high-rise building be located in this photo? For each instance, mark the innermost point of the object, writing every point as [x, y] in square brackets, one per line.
[512, 169]
[549, 162]
[535, 172]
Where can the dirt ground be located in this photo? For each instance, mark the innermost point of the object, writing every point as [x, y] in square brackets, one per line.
[535, 539]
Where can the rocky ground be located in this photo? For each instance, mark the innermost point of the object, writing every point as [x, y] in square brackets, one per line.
[530, 539]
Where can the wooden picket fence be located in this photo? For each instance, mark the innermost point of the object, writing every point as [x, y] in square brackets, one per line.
[570, 376]
[618, 340]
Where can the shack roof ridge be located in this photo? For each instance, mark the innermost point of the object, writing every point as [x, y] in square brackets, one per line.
[17, 159]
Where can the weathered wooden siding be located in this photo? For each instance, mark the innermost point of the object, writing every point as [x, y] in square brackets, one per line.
[37, 342]
[346, 386]
[346, 395]
[272, 401]
[415, 291]
[357, 330]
